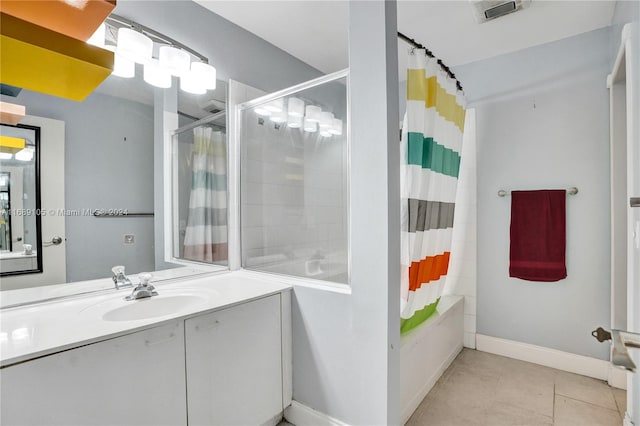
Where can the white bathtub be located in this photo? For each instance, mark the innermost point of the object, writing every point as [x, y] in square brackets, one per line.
[428, 350]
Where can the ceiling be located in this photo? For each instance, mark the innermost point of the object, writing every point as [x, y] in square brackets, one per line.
[316, 31]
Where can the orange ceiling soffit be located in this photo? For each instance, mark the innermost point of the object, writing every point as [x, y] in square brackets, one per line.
[38, 59]
[75, 18]
[11, 113]
[11, 145]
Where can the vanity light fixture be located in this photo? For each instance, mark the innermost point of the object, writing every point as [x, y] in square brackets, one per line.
[325, 120]
[99, 37]
[312, 113]
[205, 73]
[279, 117]
[336, 128]
[135, 43]
[296, 107]
[122, 67]
[310, 126]
[176, 61]
[134, 46]
[294, 122]
[155, 75]
[191, 84]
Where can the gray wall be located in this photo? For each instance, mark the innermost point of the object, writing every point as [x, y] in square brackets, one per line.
[542, 122]
[346, 357]
[108, 165]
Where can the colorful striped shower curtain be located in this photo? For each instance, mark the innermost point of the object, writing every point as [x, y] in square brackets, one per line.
[430, 155]
[206, 234]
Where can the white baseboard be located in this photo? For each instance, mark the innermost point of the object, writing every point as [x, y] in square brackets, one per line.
[301, 415]
[627, 420]
[573, 363]
[617, 377]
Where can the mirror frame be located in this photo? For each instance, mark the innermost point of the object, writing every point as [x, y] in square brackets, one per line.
[38, 211]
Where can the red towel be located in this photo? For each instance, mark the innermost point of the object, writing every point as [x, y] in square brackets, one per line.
[538, 235]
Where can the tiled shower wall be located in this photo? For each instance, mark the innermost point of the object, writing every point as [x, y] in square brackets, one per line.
[462, 268]
[296, 197]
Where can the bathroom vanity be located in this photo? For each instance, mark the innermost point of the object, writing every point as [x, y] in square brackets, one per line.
[214, 350]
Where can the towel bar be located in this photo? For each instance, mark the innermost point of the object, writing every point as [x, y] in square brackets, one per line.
[571, 191]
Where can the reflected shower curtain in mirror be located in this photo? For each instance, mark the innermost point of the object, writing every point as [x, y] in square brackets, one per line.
[430, 155]
[206, 233]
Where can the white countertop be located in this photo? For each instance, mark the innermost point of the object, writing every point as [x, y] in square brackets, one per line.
[41, 329]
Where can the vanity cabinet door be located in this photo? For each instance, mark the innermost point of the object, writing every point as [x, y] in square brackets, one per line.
[137, 379]
[234, 365]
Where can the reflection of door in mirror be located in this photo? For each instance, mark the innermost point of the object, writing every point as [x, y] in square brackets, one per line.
[19, 196]
[36, 194]
[5, 208]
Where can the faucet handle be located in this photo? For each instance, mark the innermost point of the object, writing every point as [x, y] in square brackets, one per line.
[117, 270]
[145, 277]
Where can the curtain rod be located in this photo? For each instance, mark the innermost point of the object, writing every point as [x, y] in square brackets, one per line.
[431, 55]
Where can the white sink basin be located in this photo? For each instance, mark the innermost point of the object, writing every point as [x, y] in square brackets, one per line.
[166, 303]
[152, 307]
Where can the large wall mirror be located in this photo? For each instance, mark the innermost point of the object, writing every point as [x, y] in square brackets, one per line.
[104, 162]
[20, 236]
[112, 172]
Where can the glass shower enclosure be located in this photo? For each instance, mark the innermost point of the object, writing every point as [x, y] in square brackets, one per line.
[294, 181]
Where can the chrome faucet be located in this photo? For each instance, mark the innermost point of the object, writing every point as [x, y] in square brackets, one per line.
[119, 278]
[143, 289]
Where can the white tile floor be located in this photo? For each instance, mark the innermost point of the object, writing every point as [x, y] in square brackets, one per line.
[485, 389]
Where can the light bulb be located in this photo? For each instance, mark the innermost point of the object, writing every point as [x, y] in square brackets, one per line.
[5, 156]
[310, 126]
[205, 73]
[296, 107]
[156, 76]
[336, 128]
[134, 46]
[312, 113]
[190, 84]
[176, 61]
[99, 36]
[294, 122]
[325, 133]
[326, 120]
[121, 67]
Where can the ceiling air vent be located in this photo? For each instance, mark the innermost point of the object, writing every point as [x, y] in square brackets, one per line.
[486, 10]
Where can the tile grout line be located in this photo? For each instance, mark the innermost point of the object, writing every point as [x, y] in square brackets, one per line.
[553, 413]
[589, 403]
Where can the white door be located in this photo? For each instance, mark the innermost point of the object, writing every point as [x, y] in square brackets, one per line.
[52, 137]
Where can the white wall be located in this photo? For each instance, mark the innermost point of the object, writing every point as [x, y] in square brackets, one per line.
[542, 122]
